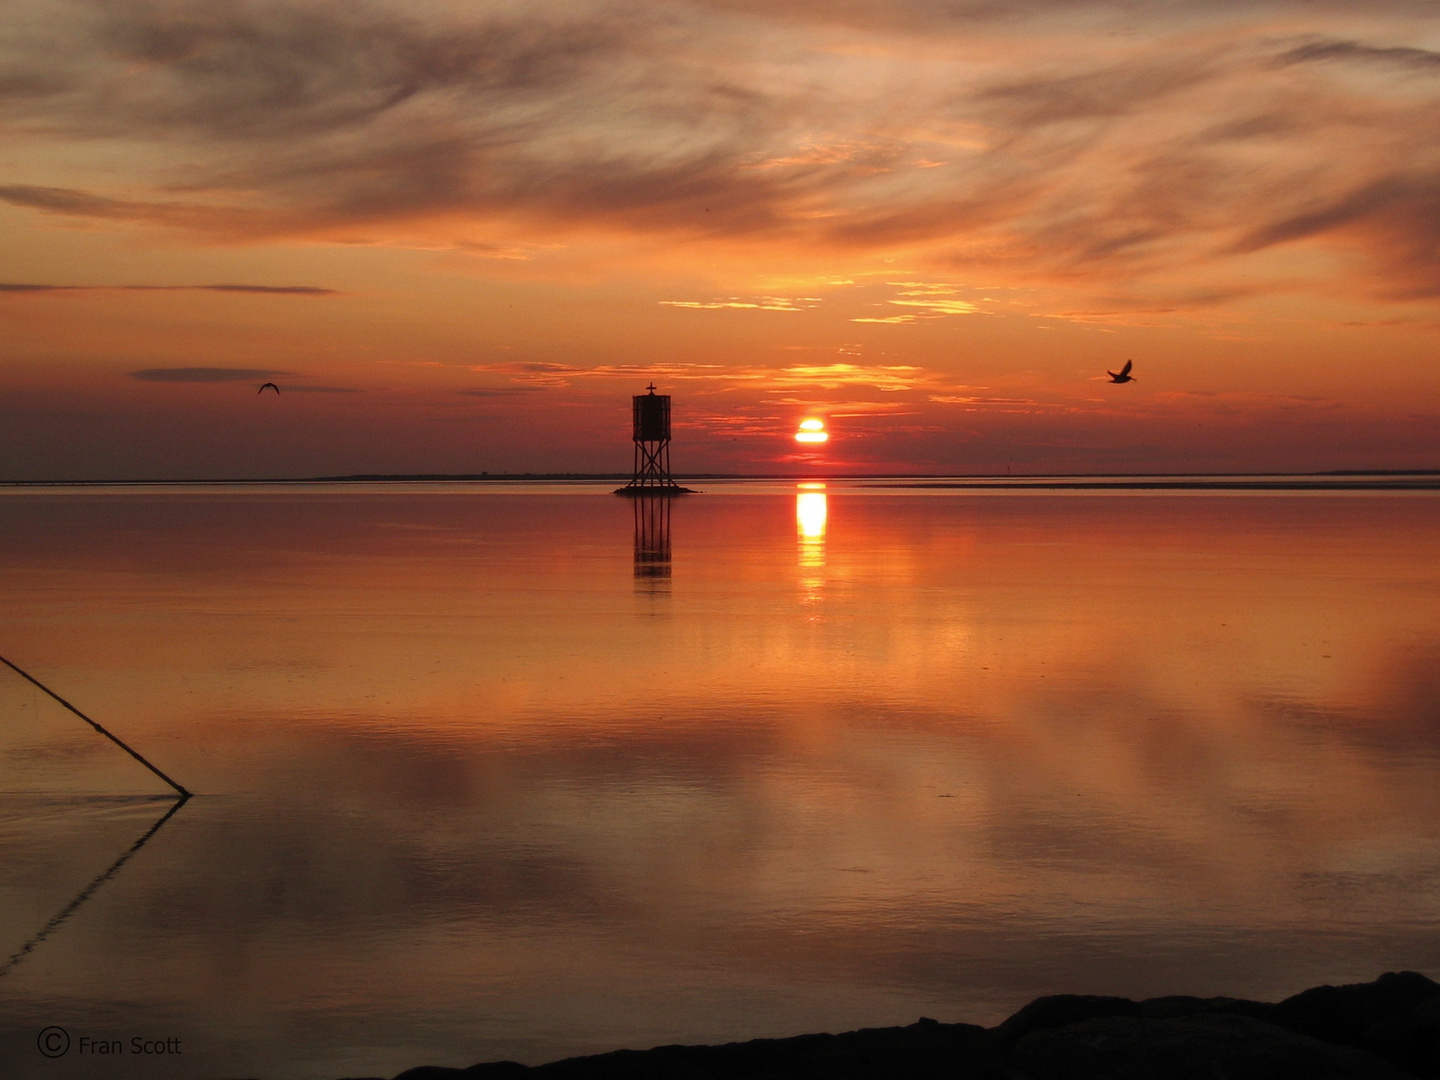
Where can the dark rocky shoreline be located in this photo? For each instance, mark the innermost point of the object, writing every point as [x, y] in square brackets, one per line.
[1388, 1029]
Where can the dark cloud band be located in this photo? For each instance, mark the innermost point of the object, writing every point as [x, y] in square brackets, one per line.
[262, 290]
[204, 374]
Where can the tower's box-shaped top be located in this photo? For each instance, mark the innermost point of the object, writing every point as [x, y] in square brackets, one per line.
[652, 417]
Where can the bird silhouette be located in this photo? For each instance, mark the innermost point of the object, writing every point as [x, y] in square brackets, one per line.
[1123, 375]
[272, 386]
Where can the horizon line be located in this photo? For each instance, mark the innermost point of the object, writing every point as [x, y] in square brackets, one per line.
[610, 477]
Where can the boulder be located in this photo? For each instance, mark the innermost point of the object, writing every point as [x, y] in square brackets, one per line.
[1410, 1041]
[925, 1050]
[1204, 1046]
[1343, 1014]
[1173, 1008]
[1058, 1010]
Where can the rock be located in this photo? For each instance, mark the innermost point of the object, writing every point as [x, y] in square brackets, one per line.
[493, 1070]
[1343, 1014]
[1204, 1046]
[923, 1050]
[1410, 1041]
[1365, 1031]
[1173, 1008]
[1058, 1010]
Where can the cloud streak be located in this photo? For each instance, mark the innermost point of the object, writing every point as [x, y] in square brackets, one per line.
[204, 374]
[259, 290]
[1355, 51]
[759, 303]
[811, 377]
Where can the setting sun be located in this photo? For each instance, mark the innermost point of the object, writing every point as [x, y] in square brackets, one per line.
[812, 431]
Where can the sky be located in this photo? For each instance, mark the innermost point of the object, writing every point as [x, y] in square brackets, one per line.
[459, 235]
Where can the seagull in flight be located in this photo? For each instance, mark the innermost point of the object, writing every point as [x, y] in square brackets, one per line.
[1123, 375]
[272, 386]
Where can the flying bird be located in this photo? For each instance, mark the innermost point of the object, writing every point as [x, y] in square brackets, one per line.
[272, 386]
[1123, 375]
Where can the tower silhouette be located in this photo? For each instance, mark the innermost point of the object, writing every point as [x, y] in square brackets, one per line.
[650, 429]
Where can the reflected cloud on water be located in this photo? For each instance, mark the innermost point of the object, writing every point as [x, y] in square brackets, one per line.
[471, 802]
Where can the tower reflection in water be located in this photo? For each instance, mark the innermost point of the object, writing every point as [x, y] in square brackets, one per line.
[811, 513]
[652, 540]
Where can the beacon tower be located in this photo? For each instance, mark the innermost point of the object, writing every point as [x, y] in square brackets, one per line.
[650, 429]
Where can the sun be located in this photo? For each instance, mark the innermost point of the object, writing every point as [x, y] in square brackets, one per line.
[812, 431]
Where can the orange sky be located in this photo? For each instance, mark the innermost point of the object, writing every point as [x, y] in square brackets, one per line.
[459, 235]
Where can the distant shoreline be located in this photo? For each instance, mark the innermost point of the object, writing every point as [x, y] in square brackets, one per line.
[1333, 480]
[1396, 483]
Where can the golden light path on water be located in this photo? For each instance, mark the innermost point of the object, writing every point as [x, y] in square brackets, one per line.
[811, 511]
[811, 514]
[470, 789]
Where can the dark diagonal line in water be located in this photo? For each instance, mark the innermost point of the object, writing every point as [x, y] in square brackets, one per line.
[89, 890]
[113, 738]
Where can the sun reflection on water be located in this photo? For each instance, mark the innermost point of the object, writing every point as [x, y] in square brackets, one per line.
[811, 515]
[811, 511]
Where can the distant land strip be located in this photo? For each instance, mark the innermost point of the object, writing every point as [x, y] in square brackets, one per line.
[1319, 483]
[1425, 477]
[1338, 480]
[1416, 481]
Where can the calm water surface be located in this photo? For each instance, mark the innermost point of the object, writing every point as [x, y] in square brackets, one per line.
[506, 772]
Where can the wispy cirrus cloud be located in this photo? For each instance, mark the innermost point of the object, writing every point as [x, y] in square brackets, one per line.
[1028, 140]
[811, 377]
[934, 299]
[1405, 56]
[759, 303]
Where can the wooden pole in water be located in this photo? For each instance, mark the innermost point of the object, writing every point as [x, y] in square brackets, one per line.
[30, 678]
[89, 890]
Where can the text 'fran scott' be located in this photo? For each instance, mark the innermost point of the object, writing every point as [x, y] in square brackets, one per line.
[56, 1042]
